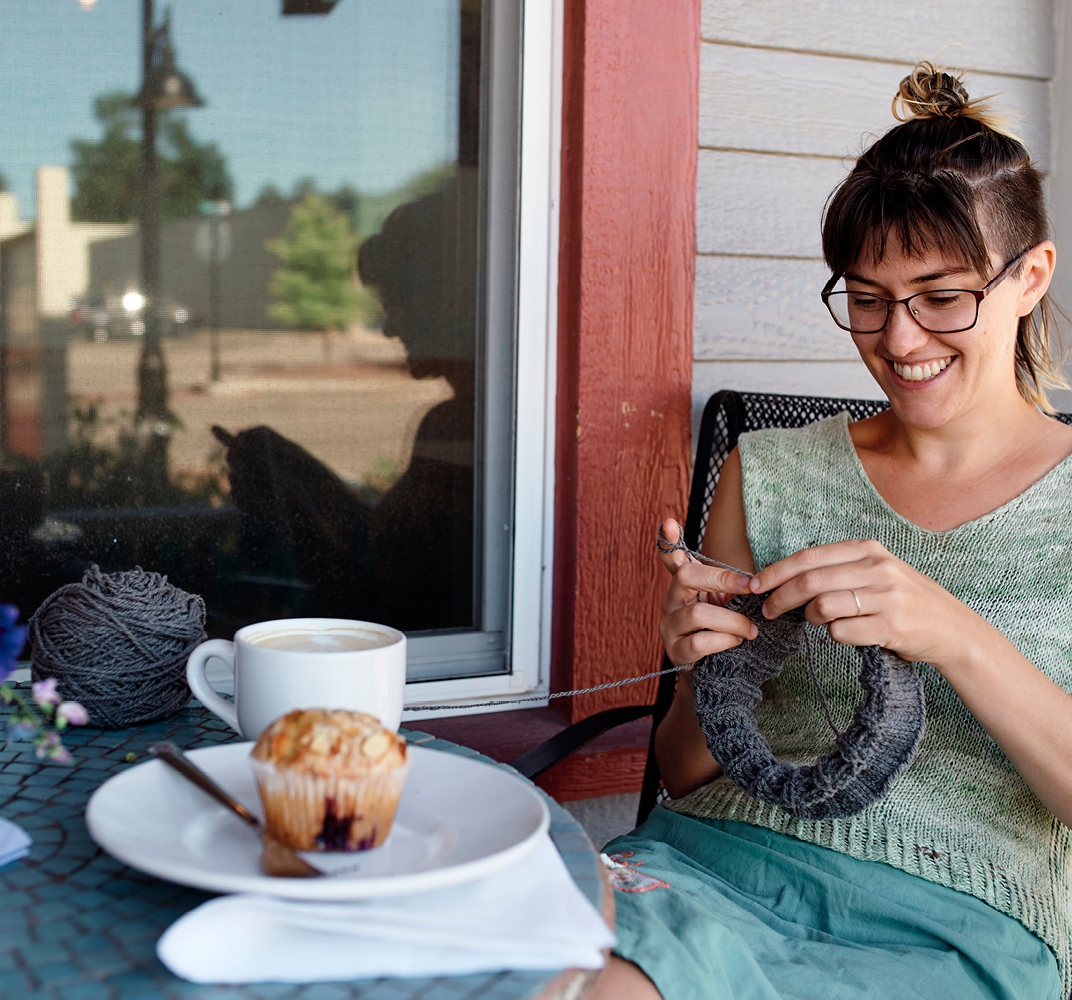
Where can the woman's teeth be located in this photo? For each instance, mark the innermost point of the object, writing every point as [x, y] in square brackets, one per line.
[920, 373]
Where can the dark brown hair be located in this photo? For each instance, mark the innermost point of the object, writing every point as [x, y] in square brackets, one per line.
[949, 179]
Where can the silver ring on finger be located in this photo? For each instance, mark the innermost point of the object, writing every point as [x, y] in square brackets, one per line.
[859, 610]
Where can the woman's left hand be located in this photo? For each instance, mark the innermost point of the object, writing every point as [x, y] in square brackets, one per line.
[865, 596]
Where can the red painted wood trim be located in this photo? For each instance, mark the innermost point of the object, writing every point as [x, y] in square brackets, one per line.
[626, 278]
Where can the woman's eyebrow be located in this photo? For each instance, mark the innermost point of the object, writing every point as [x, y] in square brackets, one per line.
[945, 272]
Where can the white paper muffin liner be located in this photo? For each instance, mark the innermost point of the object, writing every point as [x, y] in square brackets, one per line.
[308, 812]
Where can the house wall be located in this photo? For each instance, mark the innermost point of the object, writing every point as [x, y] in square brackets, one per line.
[10, 223]
[20, 408]
[1061, 180]
[787, 91]
[18, 290]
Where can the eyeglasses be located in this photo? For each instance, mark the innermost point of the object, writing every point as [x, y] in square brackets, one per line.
[940, 310]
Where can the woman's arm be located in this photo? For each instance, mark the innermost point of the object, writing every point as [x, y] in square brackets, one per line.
[1026, 713]
[695, 623]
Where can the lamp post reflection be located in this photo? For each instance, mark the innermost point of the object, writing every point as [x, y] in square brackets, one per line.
[215, 248]
[163, 87]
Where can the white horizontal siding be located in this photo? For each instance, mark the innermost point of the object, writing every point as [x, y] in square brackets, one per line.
[748, 309]
[757, 203]
[790, 102]
[1061, 181]
[992, 36]
[790, 93]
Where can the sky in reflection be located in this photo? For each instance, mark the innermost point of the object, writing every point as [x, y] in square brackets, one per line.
[365, 96]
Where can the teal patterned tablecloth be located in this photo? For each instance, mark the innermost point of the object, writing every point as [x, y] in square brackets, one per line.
[75, 924]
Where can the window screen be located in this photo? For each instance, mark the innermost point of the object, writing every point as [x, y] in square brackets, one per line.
[256, 308]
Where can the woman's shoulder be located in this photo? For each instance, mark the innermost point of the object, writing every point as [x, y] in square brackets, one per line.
[802, 461]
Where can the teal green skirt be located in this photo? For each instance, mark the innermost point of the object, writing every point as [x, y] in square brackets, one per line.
[717, 910]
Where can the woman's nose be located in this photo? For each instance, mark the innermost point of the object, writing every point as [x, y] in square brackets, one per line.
[902, 334]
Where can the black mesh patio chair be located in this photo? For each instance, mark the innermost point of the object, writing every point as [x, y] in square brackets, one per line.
[726, 416]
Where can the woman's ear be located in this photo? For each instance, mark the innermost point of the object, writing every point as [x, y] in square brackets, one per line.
[1039, 264]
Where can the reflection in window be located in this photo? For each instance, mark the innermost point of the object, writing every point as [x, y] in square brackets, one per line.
[288, 426]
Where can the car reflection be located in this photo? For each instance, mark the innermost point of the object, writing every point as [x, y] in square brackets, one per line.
[120, 317]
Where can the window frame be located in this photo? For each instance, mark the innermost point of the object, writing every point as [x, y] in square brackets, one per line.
[533, 313]
[512, 659]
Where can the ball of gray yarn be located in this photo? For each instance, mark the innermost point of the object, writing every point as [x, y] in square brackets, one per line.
[118, 644]
[870, 755]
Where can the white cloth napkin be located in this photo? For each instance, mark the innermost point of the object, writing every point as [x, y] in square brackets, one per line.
[529, 915]
[15, 842]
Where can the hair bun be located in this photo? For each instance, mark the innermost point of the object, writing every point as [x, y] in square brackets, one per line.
[929, 92]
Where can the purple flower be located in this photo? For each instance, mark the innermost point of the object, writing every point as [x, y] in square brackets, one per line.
[73, 712]
[57, 751]
[44, 692]
[51, 747]
[46, 745]
[12, 639]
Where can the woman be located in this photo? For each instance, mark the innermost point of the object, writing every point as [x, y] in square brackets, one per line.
[939, 529]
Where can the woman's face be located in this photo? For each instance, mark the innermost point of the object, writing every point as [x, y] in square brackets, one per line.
[931, 378]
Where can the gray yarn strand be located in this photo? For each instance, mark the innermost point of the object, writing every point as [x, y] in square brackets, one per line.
[443, 706]
[118, 643]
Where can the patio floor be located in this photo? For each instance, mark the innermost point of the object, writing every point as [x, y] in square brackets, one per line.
[606, 817]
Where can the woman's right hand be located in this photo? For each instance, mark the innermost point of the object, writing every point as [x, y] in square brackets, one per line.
[695, 621]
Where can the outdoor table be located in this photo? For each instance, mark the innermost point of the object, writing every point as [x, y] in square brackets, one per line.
[75, 924]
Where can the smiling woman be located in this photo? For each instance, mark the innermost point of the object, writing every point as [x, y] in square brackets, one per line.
[938, 530]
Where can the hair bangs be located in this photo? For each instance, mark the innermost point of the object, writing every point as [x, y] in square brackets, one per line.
[915, 213]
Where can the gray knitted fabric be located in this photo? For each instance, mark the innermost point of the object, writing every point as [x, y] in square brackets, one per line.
[869, 755]
[960, 815]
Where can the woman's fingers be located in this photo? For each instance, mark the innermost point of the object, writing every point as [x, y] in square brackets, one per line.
[831, 572]
[672, 559]
[816, 558]
[836, 605]
[830, 590]
[701, 576]
[696, 622]
[697, 630]
[695, 578]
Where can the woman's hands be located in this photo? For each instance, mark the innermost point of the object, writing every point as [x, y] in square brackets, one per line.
[900, 609]
[695, 620]
[866, 596]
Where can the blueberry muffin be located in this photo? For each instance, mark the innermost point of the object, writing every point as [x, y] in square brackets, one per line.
[329, 780]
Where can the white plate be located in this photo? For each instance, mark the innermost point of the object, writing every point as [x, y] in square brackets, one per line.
[457, 819]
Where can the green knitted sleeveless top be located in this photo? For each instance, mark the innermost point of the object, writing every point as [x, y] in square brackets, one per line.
[960, 815]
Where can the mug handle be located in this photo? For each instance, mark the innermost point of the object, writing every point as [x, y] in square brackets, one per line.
[203, 691]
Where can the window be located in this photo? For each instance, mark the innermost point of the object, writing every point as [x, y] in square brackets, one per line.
[262, 319]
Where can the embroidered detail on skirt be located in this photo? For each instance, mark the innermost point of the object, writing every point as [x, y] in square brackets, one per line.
[627, 877]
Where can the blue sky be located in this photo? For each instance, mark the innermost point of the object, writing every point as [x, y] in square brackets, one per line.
[366, 96]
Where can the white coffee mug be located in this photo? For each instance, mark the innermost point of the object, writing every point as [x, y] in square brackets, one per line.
[304, 663]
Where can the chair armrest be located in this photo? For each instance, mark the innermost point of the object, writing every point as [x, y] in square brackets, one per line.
[572, 738]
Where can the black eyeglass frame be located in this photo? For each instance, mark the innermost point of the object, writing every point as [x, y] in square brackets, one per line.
[978, 293]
